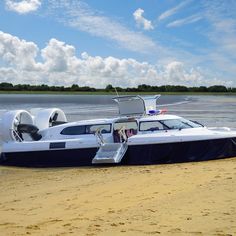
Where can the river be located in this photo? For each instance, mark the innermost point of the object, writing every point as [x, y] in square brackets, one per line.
[209, 110]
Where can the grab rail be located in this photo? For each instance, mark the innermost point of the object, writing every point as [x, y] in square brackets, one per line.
[122, 134]
[99, 136]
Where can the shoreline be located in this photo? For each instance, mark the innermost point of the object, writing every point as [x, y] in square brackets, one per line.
[196, 198]
[120, 93]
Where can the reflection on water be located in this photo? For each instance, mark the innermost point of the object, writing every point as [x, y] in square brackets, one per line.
[209, 110]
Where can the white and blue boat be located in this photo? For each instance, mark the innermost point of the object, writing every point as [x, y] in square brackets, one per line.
[140, 135]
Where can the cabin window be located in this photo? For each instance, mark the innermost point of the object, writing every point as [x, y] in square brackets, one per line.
[179, 124]
[151, 126]
[86, 129]
[74, 130]
[126, 125]
[105, 128]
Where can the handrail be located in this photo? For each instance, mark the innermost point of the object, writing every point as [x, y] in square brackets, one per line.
[99, 136]
[122, 134]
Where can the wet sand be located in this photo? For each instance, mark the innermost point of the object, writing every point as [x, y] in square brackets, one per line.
[176, 199]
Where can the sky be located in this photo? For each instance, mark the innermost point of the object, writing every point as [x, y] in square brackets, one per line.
[124, 43]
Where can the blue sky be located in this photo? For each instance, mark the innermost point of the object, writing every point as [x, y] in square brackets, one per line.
[123, 43]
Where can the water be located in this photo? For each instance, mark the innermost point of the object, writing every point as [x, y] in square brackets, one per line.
[209, 110]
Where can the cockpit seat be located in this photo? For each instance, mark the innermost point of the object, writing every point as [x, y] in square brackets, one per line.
[32, 130]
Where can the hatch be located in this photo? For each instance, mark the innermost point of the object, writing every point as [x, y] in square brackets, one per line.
[136, 105]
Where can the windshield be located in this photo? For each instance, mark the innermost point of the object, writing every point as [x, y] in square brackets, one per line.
[151, 126]
[179, 124]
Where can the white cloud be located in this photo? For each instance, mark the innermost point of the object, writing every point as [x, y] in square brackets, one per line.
[19, 53]
[185, 21]
[24, 6]
[173, 10]
[59, 65]
[79, 15]
[141, 21]
[57, 56]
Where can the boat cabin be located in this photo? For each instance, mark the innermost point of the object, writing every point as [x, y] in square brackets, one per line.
[138, 115]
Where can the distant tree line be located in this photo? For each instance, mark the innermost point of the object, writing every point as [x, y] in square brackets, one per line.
[109, 88]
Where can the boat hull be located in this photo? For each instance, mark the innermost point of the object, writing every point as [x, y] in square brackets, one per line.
[202, 150]
[141, 154]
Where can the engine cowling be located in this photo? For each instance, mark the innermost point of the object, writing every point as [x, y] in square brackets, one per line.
[45, 118]
[10, 122]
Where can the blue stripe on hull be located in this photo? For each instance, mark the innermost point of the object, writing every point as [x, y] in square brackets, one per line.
[135, 155]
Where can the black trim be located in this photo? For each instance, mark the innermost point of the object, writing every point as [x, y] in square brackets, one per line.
[57, 145]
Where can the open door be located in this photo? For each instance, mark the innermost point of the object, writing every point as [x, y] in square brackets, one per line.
[136, 105]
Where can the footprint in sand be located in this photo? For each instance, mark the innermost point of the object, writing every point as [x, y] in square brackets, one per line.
[15, 200]
[197, 233]
[94, 228]
[153, 223]
[151, 210]
[34, 227]
[114, 225]
[229, 178]
[217, 176]
[10, 209]
[63, 190]
[111, 211]
[66, 225]
[121, 223]
[206, 214]
[32, 197]
[175, 230]
[153, 232]
[7, 224]
[226, 213]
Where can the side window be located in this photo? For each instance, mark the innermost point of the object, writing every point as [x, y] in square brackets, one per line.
[74, 130]
[126, 125]
[105, 128]
[86, 129]
[151, 126]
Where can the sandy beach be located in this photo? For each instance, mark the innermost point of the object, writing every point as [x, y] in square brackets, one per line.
[177, 199]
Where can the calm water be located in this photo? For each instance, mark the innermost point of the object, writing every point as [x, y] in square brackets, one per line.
[209, 110]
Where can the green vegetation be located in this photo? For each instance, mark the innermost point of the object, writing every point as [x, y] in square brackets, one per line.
[166, 89]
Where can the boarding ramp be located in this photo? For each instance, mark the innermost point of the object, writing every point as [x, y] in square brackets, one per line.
[109, 153]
